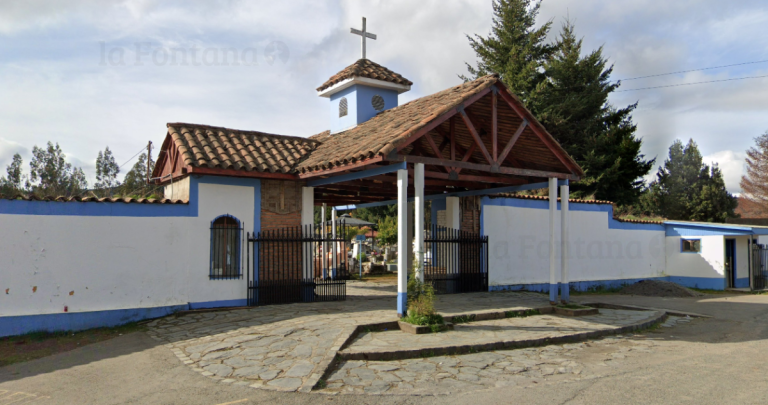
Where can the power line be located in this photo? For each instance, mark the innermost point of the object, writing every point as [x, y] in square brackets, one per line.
[137, 154]
[693, 70]
[690, 84]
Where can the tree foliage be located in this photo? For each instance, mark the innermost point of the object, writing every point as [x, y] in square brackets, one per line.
[687, 189]
[51, 175]
[135, 182]
[387, 231]
[515, 48]
[107, 170]
[573, 106]
[14, 183]
[755, 182]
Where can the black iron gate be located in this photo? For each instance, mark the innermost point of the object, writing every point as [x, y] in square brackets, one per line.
[455, 261]
[759, 267]
[297, 264]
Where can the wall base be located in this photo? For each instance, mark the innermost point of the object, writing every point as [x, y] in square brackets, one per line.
[603, 285]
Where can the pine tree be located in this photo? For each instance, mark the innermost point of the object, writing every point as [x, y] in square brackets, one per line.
[755, 182]
[515, 48]
[13, 184]
[573, 106]
[106, 172]
[51, 175]
[687, 189]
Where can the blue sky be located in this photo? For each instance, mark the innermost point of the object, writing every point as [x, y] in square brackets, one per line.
[69, 71]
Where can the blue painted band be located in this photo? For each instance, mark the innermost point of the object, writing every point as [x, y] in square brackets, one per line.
[75, 321]
[241, 302]
[565, 291]
[553, 292]
[402, 303]
[706, 283]
[358, 175]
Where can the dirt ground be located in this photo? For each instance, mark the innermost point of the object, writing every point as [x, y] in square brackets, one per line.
[655, 288]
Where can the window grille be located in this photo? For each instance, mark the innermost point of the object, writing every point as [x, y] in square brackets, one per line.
[226, 237]
[377, 102]
[343, 107]
[691, 245]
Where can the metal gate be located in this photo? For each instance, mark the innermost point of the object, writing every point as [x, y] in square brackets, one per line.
[297, 264]
[759, 266]
[455, 261]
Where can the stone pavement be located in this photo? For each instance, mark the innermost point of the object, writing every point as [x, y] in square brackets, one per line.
[290, 347]
[496, 330]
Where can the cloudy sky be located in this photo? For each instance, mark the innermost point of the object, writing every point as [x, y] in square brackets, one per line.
[94, 73]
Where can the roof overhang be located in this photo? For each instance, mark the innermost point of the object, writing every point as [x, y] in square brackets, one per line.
[344, 84]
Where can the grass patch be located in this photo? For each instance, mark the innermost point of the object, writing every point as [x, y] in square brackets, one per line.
[463, 319]
[573, 306]
[35, 345]
[320, 384]
[422, 320]
[521, 314]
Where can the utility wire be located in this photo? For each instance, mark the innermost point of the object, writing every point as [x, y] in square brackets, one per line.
[137, 154]
[690, 84]
[693, 70]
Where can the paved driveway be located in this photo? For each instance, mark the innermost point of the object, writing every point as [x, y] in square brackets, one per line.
[713, 361]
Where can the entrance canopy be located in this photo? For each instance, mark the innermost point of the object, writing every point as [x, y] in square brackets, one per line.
[475, 136]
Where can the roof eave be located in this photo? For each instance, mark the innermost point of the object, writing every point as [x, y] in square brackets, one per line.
[347, 83]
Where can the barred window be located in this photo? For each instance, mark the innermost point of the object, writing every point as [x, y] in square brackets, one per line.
[691, 245]
[226, 236]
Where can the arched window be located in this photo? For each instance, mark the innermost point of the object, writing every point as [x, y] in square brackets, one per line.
[226, 235]
[343, 107]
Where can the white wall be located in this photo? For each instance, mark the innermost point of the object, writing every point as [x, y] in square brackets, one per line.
[710, 263]
[178, 190]
[519, 246]
[94, 263]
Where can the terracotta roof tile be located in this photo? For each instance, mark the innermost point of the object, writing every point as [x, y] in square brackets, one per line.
[224, 148]
[368, 69]
[384, 132]
[93, 199]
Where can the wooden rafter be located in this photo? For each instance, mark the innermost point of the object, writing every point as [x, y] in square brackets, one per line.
[476, 136]
[512, 141]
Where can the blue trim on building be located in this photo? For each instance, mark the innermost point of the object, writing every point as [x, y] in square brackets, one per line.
[676, 229]
[358, 175]
[565, 292]
[402, 303]
[544, 205]
[74, 321]
[553, 292]
[240, 302]
[742, 282]
[586, 286]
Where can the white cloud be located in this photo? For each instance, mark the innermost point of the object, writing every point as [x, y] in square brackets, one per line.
[732, 165]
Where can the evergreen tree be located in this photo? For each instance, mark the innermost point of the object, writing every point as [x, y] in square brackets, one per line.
[687, 189]
[755, 182]
[515, 48]
[106, 172]
[573, 106]
[13, 184]
[51, 175]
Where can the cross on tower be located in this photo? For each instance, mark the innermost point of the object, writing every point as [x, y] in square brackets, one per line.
[364, 34]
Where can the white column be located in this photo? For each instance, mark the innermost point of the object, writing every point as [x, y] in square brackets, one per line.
[402, 242]
[452, 222]
[324, 256]
[308, 218]
[452, 213]
[552, 211]
[564, 241]
[335, 249]
[410, 235]
[418, 182]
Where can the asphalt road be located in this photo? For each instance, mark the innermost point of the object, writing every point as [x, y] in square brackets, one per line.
[722, 360]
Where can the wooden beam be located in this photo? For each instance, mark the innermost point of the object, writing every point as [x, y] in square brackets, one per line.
[485, 168]
[476, 136]
[240, 173]
[469, 179]
[442, 118]
[494, 129]
[545, 137]
[357, 165]
[512, 141]
[453, 138]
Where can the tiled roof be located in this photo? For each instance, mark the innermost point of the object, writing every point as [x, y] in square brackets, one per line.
[384, 132]
[94, 199]
[224, 148]
[368, 69]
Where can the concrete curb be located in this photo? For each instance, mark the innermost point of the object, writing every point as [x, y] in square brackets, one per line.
[657, 317]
